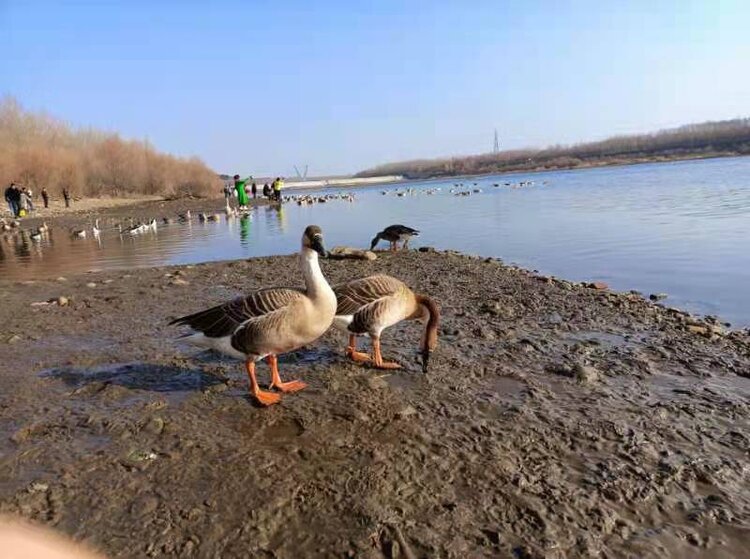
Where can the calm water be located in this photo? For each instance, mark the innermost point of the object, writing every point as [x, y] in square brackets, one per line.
[679, 228]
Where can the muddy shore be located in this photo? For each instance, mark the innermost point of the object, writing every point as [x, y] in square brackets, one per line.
[84, 214]
[558, 420]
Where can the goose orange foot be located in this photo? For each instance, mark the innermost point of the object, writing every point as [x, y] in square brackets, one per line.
[266, 398]
[378, 360]
[263, 398]
[387, 365]
[353, 354]
[291, 386]
[358, 356]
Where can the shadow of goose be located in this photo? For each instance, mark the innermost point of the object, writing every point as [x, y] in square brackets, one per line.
[136, 376]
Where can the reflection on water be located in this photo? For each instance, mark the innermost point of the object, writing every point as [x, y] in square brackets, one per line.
[680, 228]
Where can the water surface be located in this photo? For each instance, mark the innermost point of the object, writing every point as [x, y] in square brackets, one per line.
[680, 228]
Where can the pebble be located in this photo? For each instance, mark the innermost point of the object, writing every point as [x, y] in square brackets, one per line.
[376, 383]
[585, 374]
[406, 411]
[63, 301]
[61, 278]
[695, 329]
[15, 338]
[155, 425]
[658, 296]
[38, 487]
[600, 285]
[179, 281]
[91, 284]
[426, 249]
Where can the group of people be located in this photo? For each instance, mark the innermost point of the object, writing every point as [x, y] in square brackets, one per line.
[20, 199]
[245, 190]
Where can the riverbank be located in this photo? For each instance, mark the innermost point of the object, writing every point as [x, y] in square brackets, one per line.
[532, 168]
[559, 420]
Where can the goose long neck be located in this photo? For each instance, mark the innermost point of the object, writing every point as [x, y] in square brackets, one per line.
[430, 334]
[315, 282]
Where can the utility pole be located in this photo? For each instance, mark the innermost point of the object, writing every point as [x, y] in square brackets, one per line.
[496, 146]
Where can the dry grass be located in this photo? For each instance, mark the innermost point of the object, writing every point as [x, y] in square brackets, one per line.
[38, 150]
[728, 137]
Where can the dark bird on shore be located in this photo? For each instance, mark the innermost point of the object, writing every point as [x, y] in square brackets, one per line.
[393, 234]
[372, 304]
[270, 321]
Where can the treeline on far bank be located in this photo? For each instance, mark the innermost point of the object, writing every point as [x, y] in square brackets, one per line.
[38, 150]
[708, 139]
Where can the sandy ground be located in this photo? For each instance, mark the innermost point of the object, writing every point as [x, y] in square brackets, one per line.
[558, 420]
[81, 205]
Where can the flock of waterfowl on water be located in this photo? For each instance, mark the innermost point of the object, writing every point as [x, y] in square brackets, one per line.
[458, 189]
[277, 320]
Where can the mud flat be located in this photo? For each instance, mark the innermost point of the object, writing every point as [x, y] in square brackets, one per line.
[558, 420]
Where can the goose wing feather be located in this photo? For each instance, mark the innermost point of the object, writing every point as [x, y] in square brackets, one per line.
[224, 320]
[353, 295]
[368, 300]
[401, 230]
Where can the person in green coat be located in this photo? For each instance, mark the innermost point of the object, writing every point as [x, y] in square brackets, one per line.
[239, 186]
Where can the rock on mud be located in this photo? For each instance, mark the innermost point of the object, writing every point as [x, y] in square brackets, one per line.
[585, 374]
[349, 253]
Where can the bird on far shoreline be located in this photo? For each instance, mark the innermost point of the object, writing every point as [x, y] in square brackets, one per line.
[393, 234]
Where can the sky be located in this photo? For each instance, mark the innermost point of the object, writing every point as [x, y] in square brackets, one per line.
[257, 87]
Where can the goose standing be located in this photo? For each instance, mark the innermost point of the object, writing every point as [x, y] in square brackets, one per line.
[271, 321]
[393, 234]
[372, 304]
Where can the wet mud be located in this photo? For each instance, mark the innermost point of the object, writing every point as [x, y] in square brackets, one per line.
[557, 420]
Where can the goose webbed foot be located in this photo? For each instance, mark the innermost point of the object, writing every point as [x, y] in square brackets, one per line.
[266, 398]
[378, 357]
[353, 354]
[358, 356]
[290, 386]
[262, 397]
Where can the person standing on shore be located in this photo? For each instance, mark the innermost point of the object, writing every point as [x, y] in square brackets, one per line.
[11, 196]
[278, 184]
[45, 197]
[254, 191]
[26, 192]
[239, 186]
[266, 191]
[66, 195]
[22, 202]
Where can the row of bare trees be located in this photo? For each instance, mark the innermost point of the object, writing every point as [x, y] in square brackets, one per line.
[728, 137]
[37, 150]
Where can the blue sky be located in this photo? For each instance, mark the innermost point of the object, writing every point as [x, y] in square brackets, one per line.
[258, 87]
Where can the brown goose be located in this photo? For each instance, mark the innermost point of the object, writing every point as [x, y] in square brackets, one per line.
[393, 234]
[270, 321]
[372, 304]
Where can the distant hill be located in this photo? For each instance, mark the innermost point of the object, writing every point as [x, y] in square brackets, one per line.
[708, 139]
